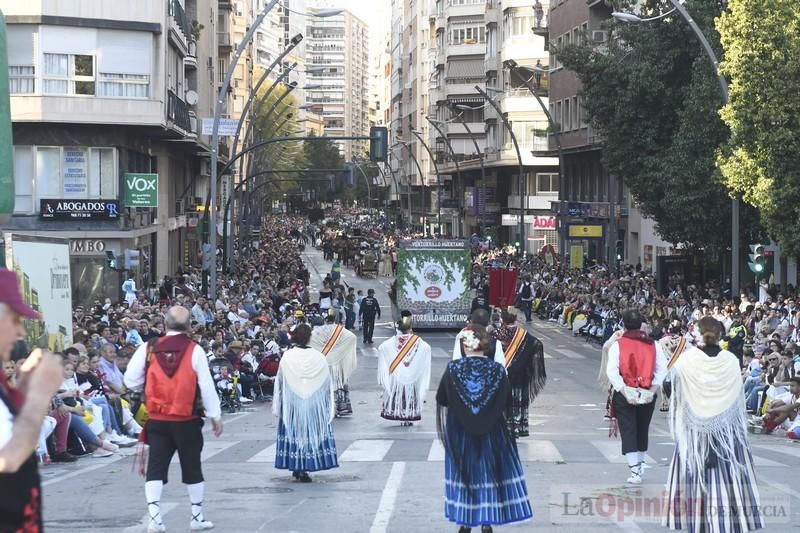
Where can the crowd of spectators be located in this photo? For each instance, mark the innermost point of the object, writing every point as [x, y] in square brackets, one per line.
[761, 328]
[246, 326]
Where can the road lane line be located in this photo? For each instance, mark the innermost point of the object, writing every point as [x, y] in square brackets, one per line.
[388, 498]
[613, 454]
[436, 452]
[364, 450]
[267, 455]
[542, 451]
[792, 450]
[569, 354]
[102, 462]
[210, 449]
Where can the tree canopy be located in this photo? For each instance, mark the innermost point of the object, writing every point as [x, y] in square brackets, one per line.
[651, 93]
[761, 159]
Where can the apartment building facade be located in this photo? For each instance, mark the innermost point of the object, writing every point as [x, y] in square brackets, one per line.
[515, 32]
[102, 91]
[337, 49]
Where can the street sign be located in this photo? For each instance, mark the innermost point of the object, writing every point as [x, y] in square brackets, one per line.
[226, 128]
[141, 190]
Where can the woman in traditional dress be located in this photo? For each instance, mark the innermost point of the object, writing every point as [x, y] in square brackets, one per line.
[484, 479]
[303, 402]
[386, 264]
[404, 371]
[711, 485]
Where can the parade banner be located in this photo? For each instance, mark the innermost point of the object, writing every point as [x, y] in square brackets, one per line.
[43, 271]
[433, 282]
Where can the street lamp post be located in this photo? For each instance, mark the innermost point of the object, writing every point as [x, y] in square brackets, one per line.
[556, 128]
[723, 86]
[482, 206]
[369, 187]
[437, 126]
[522, 234]
[418, 135]
[397, 186]
[223, 91]
[424, 219]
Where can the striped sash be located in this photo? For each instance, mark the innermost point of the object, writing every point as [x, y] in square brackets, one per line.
[677, 353]
[515, 345]
[337, 331]
[404, 351]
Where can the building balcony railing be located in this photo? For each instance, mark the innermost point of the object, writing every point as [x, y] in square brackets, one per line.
[179, 16]
[178, 112]
[224, 40]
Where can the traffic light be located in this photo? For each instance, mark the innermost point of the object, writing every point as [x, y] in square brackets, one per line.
[378, 144]
[131, 259]
[758, 263]
[620, 250]
[111, 260]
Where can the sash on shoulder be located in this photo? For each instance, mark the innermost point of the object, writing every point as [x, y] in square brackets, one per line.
[677, 353]
[404, 351]
[337, 331]
[515, 345]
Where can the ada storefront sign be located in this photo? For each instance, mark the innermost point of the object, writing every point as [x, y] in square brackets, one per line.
[141, 190]
[79, 209]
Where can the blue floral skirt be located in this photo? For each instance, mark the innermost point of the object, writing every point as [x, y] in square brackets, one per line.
[488, 486]
[289, 456]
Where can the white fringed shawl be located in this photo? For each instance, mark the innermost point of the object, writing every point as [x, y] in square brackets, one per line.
[341, 359]
[602, 377]
[406, 381]
[707, 411]
[303, 397]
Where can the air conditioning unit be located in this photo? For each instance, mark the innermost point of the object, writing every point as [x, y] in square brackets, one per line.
[599, 36]
[205, 167]
[179, 207]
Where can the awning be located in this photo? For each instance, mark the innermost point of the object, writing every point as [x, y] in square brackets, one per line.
[472, 69]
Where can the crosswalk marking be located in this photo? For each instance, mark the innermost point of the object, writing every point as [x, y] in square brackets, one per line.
[611, 451]
[543, 451]
[366, 450]
[548, 356]
[436, 452]
[267, 455]
[441, 353]
[569, 354]
[792, 450]
[210, 449]
[762, 461]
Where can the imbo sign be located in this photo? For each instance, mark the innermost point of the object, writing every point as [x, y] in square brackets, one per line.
[141, 190]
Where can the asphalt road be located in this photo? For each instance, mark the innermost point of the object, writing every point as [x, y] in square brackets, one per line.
[390, 478]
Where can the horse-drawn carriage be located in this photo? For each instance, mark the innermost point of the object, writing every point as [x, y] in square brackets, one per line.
[367, 263]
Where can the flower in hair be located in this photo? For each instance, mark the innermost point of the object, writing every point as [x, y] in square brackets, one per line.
[469, 340]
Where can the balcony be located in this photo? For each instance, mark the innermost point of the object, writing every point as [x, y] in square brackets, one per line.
[532, 202]
[456, 128]
[466, 49]
[179, 22]
[178, 112]
[492, 15]
[462, 88]
[190, 61]
[224, 41]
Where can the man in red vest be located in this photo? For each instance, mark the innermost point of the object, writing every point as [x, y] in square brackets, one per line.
[174, 373]
[636, 368]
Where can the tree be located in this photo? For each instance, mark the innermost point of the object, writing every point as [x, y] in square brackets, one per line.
[653, 97]
[323, 154]
[762, 59]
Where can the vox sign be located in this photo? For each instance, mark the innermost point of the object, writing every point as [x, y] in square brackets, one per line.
[141, 190]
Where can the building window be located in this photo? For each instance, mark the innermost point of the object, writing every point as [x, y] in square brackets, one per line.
[574, 120]
[123, 85]
[547, 183]
[69, 74]
[44, 172]
[21, 79]
[468, 35]
[567, 115]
